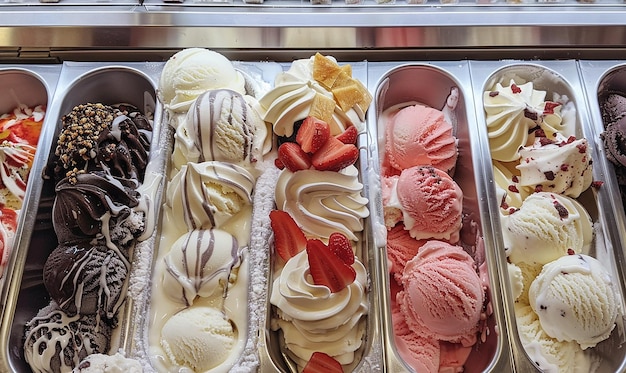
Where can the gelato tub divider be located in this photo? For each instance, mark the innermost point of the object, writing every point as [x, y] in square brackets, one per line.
[431, 84]
[563, 83]
[78, 83]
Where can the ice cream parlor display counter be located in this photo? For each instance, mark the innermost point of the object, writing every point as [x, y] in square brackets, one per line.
[282, 186]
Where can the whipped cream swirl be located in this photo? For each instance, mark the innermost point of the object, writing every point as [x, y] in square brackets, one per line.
[313, 318]
[323, 202]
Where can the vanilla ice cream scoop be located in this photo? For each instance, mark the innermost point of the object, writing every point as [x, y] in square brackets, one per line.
[199, 264]
[192, 71]
[198, 338]
[559, 165]
[575, 300]
[221, 126]
[546, 227]
[549, 354]
[209, 194]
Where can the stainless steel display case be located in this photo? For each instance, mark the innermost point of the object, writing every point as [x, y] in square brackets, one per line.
[152, 30]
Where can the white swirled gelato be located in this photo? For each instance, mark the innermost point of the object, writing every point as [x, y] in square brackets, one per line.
[323, 202]
[312, 318]
[511, 112]
[200, 264]
[222, 126]
[209, 194]
[560, 166]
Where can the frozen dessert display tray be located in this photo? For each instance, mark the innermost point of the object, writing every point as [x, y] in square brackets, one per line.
[563, 84]
[64, 85]
[430, 84]
[28, 85]
[78, 83]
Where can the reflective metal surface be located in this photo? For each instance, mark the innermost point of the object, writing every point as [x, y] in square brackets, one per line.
[468, 30]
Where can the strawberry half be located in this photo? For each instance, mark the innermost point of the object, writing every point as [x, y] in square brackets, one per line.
[334, 155]
[348, 136]
[293, 157]
[312, 134]
[322, 363]
[340, 245]
[326, 268]
[289, 239]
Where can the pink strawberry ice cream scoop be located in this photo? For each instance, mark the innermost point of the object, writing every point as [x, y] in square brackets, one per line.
[401, 248]
[443, 295]
[420, 135]
[421, 353]
[427, 200]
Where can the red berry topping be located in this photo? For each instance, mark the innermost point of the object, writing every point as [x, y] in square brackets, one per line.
[334, 155]
[348, 136]
[515, 88]
[289, 239]
[279, 164]
[322, 363]
[597, 184]
[313, 133]
[340, 245]
[513, 188]
[293, 157]
[549, 107]
[328, 269]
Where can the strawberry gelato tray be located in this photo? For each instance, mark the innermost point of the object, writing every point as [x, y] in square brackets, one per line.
[440, 282]
[554, 216]
[25, 97]
[72, 297]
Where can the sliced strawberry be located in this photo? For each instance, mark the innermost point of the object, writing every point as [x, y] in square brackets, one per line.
[279, 164]
[293, 157]
[289, 239]
[348, 136]
[334, 155]
[312, 134]
[326, 268]
[8, 217]
[322, 363]
[340, 245]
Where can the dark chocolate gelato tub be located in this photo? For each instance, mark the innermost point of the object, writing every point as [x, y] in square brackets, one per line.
[95, 86]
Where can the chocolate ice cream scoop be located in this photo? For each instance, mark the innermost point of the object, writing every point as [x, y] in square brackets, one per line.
[97, 136]
[86, 279]
[97, 205]
[614, 135]
[56, 342]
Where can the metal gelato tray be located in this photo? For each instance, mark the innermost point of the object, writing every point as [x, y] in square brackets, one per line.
[79, 83]
[30, 85]
[561, 78]
[369, 357]
[430, 84]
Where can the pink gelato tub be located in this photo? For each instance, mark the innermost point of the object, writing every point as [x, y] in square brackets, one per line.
[434, 238]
